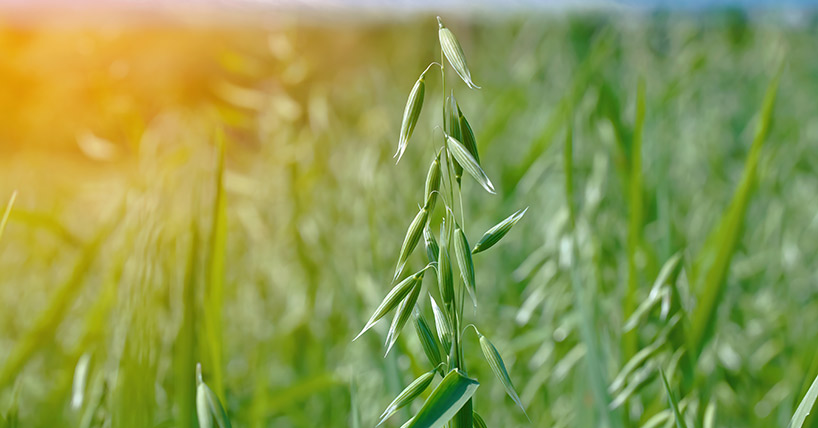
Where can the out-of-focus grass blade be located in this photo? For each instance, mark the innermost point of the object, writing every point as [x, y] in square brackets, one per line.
[214, 291]
[723, 241]
[185, 344]
[634, 219]
[6, 213]
[710, 415]
[563, 112]
[805, 407]
[674, 405]
[62, 298]
[80, 379]
[355, 412]
[12, 414]
[447, 398]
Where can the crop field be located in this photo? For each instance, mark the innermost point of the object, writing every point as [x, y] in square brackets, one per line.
[177, 194]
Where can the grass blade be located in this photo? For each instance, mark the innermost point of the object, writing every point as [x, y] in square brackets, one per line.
[214, 291]
[805, 406]
[478, 421]
[680, 423]
[447, 398]
[629, 339]
[724, 239]
[6, 213]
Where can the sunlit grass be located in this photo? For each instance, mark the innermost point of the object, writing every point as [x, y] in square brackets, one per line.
[635, 142]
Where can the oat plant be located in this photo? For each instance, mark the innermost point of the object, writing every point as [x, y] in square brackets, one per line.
[448, 252]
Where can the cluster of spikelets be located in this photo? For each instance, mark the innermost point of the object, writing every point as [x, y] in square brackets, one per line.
[451, 399]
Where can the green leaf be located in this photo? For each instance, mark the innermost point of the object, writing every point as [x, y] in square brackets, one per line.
[447, 398]
[469, 163]
[804, 408]
[408, 394]
[498, 231]
[478, 421]
[499, 368]
[722, 243]
[680, 423]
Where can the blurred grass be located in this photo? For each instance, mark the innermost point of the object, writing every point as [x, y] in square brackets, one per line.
[260, 254]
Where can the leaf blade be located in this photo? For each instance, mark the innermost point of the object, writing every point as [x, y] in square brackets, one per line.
[445, 401]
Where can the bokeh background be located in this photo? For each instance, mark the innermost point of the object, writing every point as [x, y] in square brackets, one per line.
[197, 185]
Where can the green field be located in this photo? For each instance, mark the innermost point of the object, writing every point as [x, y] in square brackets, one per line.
[226, 195]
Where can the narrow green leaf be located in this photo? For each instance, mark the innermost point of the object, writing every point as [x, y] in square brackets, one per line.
[411, 113]
[469, 163]
[393, 298]
[429, 342]
[454, 53]
[680, 423]
[410, 241]
[805, 406]
[412, 391]
[6, 213]
[446, 399]
[635, 218]
[499, 368]
[464, 418]
[722, 243]
[216, 259]
[405, 309]
[498, 231]
[478, 421]
[462, 252]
